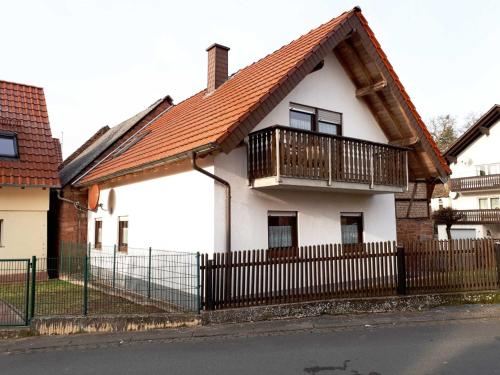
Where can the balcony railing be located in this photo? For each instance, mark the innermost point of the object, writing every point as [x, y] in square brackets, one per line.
[486, 216]
[475, 183]
[285, 152]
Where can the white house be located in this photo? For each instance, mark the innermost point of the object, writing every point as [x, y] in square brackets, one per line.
[307, 145]
[474, 189]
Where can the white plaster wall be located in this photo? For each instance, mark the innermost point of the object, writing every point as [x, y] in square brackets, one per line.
[173, 212]
[331, 89]
[485, 150]
[318, 212]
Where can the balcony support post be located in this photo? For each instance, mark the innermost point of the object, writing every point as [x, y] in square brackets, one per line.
[278, 160]
[372, 174]
[406, 171]
[330, 162]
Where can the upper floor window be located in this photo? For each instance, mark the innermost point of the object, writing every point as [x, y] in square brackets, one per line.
[315, 119]
[8, 145]
[487, 203]
[487, 169]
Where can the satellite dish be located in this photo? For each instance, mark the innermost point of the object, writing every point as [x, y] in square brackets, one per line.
[93, 199]
[453, 195]
[111, 201]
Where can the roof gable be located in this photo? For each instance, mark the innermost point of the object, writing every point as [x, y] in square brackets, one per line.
[488, 120]
[222, 119]
[23, 111]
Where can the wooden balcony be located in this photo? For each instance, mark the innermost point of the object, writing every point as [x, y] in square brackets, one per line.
[281, 156]
[487, 216]
[476, 183]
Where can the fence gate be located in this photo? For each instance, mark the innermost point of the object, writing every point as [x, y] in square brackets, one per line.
[14, 292]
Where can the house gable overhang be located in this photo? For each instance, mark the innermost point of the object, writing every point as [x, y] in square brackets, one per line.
[480, 128]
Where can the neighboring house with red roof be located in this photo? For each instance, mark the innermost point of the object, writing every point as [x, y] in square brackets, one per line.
[474, 187]
[308, 145]
[29, 160]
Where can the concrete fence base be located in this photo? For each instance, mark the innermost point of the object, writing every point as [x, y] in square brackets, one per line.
[345, 307]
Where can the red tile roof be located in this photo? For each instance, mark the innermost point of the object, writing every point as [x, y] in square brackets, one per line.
[23, 111]
[209, 119]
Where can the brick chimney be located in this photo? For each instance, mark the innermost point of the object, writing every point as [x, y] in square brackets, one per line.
[217, 66]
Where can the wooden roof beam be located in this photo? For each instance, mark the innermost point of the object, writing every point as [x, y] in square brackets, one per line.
[371, 89]
[406, 142]
[484, 130]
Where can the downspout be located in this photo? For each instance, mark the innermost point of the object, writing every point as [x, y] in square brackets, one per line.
[228, 198]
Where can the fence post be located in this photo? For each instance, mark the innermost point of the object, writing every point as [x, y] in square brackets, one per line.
[198, 284]
[400, 254]
[85, 285]
[149, 274]
[114, 264]
[209, 302]
[33, 288]
[497, 256]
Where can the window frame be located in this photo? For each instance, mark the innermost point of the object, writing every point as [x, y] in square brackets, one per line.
[122, 247]
[97, 245]
[2, 244]
[315, 118]
[284, 251]
[13, 136]
[361, 234]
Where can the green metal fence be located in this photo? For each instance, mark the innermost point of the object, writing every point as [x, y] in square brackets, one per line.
[88, 281]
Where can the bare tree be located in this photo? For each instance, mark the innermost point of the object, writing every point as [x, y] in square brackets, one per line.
[447, 216]
[444, 130]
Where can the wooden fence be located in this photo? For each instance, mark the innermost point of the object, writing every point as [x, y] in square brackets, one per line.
[264, 277]
[451, 266]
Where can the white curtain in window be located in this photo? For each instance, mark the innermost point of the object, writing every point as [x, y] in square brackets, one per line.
[350, 233]
[280, 236]
[300, 120]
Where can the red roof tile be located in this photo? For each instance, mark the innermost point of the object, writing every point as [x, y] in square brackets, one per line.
[205, 119]
[23, 111]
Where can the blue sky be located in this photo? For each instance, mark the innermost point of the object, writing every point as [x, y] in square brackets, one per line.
[102, 61]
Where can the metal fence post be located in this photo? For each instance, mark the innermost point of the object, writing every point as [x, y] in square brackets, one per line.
[33, 291]
[198, 284]
[149, 273]
[114, 264]
[85, 285]
[400, 254]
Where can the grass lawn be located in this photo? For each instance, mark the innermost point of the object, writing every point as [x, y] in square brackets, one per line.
[59, 297]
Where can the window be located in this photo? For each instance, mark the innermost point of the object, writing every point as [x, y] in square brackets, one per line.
[487, 169]
[98, 234]
[302, 118]
[440, 203]
[123, 234]
[315, 119]
[8, 145]
[282, 229]
[483, 203]
[351, 228]
[495, 203]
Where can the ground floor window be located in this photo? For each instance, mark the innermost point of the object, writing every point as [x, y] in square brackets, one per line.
[98, 234]
[351, 227]
[122, 234]
[282, 229]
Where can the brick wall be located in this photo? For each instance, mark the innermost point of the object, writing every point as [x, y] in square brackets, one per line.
[72, 223]
[414, 229]
[413, 220]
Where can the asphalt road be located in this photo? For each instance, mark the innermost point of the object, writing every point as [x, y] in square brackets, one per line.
[470, 346]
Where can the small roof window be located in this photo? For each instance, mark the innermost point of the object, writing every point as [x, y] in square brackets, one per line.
[8, 145]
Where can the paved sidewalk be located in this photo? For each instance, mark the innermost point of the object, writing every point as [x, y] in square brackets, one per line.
[277, 327]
